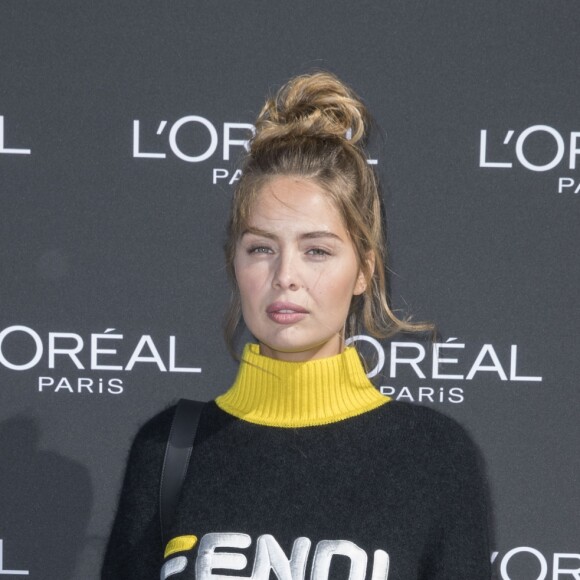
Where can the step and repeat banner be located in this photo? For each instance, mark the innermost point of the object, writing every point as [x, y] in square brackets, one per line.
[121, 129]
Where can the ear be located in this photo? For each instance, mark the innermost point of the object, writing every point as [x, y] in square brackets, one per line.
[362, 281]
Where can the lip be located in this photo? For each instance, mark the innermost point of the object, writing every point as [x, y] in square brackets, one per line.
[286, 312]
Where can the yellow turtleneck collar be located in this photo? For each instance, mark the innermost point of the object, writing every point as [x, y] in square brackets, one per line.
[277, 393]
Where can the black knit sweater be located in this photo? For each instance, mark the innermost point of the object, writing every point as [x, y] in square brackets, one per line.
[394, 493]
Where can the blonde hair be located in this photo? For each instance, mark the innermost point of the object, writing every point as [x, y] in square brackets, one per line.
[314, 128]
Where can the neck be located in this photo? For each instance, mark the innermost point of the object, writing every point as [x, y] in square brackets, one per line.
[299, 394]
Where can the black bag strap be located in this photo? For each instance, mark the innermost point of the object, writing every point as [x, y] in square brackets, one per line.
[176, 460]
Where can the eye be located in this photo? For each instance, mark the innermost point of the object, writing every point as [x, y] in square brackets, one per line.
[319, 252]
[259, 250]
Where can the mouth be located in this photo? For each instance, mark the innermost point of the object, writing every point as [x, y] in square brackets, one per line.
[286, 312]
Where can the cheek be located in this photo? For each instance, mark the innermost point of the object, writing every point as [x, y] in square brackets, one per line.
[336, 286]
[251, 281]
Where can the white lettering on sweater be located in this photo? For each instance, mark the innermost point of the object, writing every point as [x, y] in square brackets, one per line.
[214, 555]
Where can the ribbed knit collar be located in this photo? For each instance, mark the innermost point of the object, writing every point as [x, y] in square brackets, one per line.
[277, 393]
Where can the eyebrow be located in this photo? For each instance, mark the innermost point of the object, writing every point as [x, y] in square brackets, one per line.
[306, 235]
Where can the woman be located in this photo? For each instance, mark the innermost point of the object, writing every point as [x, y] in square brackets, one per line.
[302, 469]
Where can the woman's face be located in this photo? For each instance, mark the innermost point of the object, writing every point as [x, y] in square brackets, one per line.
[297, 271]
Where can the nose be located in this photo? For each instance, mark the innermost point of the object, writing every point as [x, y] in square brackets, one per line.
[286, 274]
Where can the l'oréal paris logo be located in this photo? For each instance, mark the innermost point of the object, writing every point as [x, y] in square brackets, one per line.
[538, 148]
[528, 562]
[196, 139]
[101, 357]
[446, 366]
[193, 139]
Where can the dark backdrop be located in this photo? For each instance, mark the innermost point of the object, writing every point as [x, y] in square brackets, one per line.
[120, 127]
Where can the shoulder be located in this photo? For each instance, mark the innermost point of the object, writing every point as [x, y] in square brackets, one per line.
[148, 446]
[422, 419]
[153, 435]
[428, 431]
[156, 429]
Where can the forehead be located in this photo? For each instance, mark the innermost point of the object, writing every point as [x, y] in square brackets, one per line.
[294, 200]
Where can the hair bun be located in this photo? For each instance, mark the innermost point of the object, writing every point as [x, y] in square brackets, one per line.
[314, 105]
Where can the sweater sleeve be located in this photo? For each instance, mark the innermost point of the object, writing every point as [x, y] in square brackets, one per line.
[459, 549]
[134, 550]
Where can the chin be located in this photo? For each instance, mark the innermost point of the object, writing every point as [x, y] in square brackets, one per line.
[297, 351]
